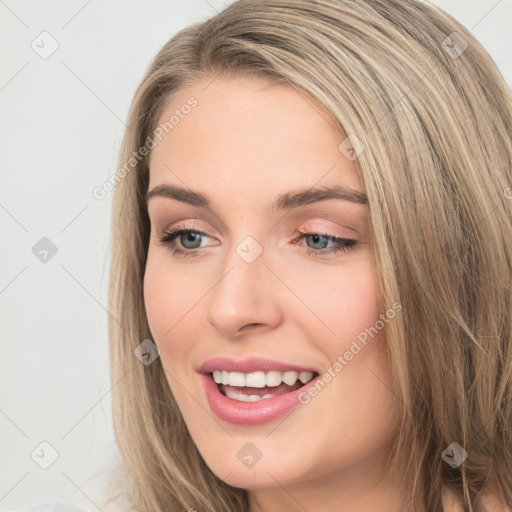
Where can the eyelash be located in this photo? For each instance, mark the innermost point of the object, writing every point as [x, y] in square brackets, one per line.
[168, 240]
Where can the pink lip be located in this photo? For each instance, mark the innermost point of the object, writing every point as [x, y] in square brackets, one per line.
[250, 413]
[251, 364]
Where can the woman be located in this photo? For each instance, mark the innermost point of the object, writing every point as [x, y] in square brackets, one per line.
[311, 265]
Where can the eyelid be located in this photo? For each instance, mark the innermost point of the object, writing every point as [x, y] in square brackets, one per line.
[315, 227]
[189, 225]
[159, 213]
[169, 236]
[320, 228]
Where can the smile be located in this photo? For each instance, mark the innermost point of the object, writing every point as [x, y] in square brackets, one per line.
[253, 391]
[254, 386]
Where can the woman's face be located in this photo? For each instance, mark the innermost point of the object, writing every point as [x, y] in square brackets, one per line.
[268, 292]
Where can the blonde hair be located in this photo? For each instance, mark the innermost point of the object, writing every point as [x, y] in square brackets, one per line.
[434, 120]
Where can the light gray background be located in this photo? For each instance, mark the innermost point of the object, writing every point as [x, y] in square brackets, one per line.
[62, 119]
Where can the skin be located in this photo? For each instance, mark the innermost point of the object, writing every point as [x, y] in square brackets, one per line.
[246, 142]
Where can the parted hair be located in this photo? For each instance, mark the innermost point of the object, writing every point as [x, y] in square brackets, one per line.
[430, 115]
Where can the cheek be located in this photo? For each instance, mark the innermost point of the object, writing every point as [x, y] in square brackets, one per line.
[167, 298]
[360, 300]
[344, 299]
[156, 299]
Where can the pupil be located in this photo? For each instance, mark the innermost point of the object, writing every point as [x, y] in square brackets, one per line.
[191, 237]
[316, 239]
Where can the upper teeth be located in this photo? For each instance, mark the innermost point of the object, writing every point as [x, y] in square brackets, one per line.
[260, 379]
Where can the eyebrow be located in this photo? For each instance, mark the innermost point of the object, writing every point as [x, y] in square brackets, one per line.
[286, 201]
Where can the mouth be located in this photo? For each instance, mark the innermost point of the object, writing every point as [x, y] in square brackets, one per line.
[254, 390]
[259, 385]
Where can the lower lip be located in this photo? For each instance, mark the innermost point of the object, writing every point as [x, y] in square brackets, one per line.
[250, 413]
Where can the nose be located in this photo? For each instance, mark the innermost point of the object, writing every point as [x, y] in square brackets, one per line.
[245, 298]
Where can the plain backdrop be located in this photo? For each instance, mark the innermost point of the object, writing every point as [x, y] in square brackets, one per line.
[68, 71]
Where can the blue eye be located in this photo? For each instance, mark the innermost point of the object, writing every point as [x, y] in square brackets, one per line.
[190, 240]
[187, 238]
[341, 244]
[190, 237]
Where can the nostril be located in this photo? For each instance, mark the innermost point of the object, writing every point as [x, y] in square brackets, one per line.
[250, 326]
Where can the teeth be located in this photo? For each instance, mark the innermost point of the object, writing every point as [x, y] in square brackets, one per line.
[254, 380]
[273, 378]
[305, 377]
[236, 379]
[247, 398]
[290, 378]
[260, 379]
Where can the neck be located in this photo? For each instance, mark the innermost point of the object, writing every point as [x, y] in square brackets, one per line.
[354, 489]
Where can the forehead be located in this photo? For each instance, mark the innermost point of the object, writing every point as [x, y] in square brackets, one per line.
[249, 132]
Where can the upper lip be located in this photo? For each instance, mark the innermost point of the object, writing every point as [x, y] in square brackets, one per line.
[250, 364]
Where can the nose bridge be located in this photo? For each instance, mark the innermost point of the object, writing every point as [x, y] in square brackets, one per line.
[244, 293]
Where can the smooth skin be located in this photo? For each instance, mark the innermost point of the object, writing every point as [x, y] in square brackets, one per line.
[245, 143]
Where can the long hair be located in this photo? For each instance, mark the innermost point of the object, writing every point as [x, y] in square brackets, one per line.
[431, 118]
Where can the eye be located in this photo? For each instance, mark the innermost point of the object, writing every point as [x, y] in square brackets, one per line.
[188, 239]
[185, 242]
[322, 240]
